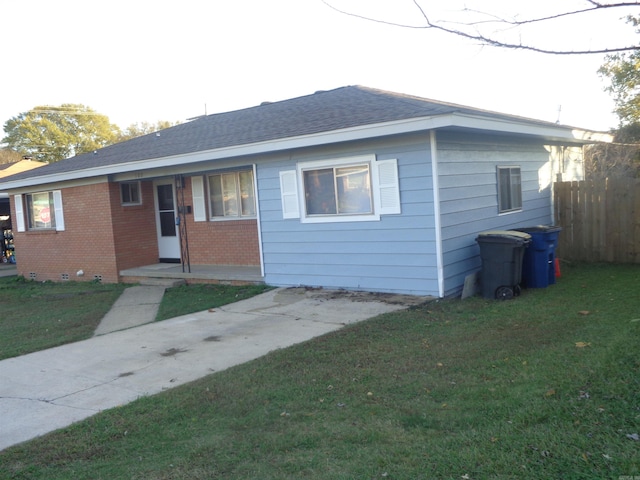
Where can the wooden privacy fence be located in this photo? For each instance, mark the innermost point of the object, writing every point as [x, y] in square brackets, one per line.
[600, 220]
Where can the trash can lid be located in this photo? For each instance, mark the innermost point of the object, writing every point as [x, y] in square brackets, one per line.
[539, 229]
[504, 236]
[505, 233]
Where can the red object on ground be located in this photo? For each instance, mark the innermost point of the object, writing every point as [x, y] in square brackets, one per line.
[557, 268]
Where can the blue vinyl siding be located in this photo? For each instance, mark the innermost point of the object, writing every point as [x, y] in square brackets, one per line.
[398, 253]
[469, 196]
[395, 254]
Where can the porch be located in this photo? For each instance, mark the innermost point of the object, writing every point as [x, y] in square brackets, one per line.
[221, 274]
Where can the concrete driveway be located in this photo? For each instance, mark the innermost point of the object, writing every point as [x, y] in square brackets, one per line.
[51, 389]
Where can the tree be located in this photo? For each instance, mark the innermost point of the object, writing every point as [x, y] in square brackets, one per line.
[611, 160]
[49, 134]
[622, 157]
[143, 128]
[9, 156]
[494, 28]
[623, 72]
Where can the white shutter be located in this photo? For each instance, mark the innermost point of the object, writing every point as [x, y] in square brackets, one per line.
[197, 193]
[289, 194]
[57, 206]
[17, 200]
[388, 187]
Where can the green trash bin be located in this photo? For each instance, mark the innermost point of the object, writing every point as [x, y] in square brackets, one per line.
[501, 252]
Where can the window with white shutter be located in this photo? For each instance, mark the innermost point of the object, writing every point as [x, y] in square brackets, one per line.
[341, 190]
[44, 211]
[232, 195]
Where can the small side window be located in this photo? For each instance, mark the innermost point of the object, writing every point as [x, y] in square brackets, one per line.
[130, 193]
[509, 189]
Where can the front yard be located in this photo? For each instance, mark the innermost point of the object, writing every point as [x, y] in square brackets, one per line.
[544, 386]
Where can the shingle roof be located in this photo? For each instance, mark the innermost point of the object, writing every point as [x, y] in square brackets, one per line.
[326, 111]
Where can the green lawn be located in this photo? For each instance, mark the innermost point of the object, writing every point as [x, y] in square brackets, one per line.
[40, 315]
[186, 299]
[544, 386]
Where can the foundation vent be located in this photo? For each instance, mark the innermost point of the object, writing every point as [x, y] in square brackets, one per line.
[64, 276]
[32, 275]
[97, 278]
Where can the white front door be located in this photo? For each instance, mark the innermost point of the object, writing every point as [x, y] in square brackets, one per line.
[166, 214]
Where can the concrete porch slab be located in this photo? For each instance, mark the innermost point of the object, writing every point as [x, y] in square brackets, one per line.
[234, 274]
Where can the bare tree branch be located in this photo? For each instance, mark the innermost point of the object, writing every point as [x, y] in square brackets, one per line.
[495, 42]
[596, 6]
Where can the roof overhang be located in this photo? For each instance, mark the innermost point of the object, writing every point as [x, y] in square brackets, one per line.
[546, 132]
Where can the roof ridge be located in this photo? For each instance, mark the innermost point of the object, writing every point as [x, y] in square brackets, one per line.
[269, 103]
[454, 105]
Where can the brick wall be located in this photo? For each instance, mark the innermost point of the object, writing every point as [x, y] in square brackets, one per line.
[223, 243]
[102, 237]
[134, 229]
[86, 244]
[230, 242]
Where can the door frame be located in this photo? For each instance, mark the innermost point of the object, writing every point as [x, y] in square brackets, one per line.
[168, 246]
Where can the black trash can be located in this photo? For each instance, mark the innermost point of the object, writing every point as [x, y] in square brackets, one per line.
[502, 252]
[539, 263]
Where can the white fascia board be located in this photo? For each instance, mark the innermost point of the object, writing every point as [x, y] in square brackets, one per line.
[549, 132]
[270, 146]
[316, 139]
[48, 186]
[592, 137]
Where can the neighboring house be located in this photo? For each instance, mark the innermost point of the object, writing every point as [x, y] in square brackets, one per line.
[352, 188]
[8, 169]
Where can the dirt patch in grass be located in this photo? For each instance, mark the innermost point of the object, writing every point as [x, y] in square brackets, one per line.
[357, 296]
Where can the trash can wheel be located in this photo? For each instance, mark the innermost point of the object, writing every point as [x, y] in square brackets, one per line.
[504, 293]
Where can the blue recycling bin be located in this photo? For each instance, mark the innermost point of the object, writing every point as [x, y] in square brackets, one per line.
[539, 262]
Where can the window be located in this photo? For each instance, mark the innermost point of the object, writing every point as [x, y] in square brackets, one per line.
[338, 190]
[43, 211]
[509, 189]
[341, 190]
[40, 210]
[231, 195]
[130, 193]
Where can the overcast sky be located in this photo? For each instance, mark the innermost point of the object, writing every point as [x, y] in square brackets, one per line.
[150, 60]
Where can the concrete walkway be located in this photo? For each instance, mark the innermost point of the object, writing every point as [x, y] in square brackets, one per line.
[51, 389]
[136, 306]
